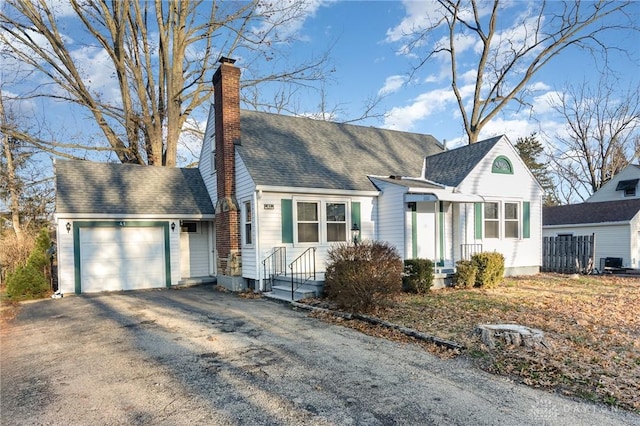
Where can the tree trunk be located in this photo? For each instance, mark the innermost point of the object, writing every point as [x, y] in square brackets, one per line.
[14, 204]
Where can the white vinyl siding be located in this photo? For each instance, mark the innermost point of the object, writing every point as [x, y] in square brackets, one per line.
[205, 164]
[245, 192]
[518, 187]
[392, 217]
[269, 229]
[608, 191]
[194, 252]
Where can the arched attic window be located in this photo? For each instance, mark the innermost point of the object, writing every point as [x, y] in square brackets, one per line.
[502, 165]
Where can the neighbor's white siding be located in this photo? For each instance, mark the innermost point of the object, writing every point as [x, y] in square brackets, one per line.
[635, 241]
[611, 240]
[518, 187]
[608, 191]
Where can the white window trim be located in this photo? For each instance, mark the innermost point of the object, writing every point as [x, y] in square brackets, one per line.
[502, 220]
[322, 220]
[243, 229]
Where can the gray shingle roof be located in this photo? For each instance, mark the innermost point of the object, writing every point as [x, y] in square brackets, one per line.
[606, 211]
[86, 187]
[451, 167]
[282, 150]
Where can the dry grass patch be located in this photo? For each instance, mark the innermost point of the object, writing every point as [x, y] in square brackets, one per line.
[592, 323]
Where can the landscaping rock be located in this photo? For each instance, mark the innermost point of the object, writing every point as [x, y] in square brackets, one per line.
[511, 334]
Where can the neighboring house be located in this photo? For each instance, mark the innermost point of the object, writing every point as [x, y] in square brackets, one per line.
[612, 214]
[623, 186]
[296, 185]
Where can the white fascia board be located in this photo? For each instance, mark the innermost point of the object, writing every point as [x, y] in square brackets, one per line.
[444, 195]
[327, 191]
[58, 216]
[584, 225]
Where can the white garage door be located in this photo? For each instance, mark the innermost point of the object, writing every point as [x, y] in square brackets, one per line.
[121, 258]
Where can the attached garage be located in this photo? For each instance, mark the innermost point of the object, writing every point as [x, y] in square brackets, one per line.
[119, 226]
[121, 257]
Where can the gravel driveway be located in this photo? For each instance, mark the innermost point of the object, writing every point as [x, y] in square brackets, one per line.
[198, 356]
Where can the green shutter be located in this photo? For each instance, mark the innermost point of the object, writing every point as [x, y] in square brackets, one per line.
[478, 220]
[287, 220]
[355, 216]
[526, 219]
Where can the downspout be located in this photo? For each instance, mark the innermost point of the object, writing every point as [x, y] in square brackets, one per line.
[256, 234]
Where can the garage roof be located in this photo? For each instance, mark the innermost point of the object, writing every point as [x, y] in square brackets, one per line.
[106, 188]
[607, 211]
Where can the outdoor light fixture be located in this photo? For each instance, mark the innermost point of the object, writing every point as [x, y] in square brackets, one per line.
[355, 230]
[68, 226]
[173, 226]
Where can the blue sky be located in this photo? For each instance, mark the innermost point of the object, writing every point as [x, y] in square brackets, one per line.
[368, 60]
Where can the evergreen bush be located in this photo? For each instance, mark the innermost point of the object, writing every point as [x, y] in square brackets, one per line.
[490, 266]
[417, 276]
[466, 272]
[362, 276]
[30, 280]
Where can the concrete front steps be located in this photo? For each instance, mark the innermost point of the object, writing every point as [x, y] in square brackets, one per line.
[281, 289]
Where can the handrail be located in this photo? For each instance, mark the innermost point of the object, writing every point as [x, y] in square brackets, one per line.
[468, 250]
[305, 268]
[277, 262]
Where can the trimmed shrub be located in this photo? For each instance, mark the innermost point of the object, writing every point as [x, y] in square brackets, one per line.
[490, 267]
[417, 276]
[30, 281]
[466, 272]
[361, 276]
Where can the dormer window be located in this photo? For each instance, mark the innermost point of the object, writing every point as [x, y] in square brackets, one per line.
[628, 186]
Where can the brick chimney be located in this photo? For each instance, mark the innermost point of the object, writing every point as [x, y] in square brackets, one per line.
[226, 85]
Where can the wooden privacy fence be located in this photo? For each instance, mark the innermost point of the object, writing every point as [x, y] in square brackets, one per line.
[568, 254]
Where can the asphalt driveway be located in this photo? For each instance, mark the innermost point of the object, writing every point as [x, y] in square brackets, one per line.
[198, 356]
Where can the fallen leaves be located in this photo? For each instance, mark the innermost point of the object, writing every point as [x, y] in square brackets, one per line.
[593, 324]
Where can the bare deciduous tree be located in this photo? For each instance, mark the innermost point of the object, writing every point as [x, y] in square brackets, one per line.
[161, 54]
[25, 188]
[507, 54]
[602, 137]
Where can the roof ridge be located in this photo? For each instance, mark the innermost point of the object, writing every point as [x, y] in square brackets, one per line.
[336, 123]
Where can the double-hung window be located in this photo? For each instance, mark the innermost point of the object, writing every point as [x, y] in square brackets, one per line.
[511, 220]
[336, 214]
[321, 221]
[502, 220]
[248, 220]
[492, 220]
[308, 222]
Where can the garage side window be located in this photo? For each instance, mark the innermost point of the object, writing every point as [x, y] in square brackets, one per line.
[248, 221]
[189, 227]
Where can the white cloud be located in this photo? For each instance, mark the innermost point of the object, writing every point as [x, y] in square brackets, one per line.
[426, 104]
[98, 72]
[543, 103]
[392, 84]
